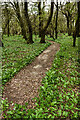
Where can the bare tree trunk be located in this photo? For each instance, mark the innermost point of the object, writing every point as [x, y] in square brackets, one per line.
[21, 22]
[78, 24]
[17, 10]
[42, 37]
[79, 38]
[43, 31]
[22, 26]
[30, 39]
[1, 43]
[74, 38]
[77, 29]
[68, 25]
[8, 18]
[56, 20]
[8, 27]
[40, 21]
[67, 15]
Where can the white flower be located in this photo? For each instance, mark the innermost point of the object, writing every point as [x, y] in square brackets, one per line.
[14, 108]
[12, 104]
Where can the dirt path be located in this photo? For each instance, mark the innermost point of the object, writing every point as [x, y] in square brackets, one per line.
[24, 86]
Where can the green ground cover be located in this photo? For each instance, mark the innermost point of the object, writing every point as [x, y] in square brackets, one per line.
[17, 54]
[59, 93]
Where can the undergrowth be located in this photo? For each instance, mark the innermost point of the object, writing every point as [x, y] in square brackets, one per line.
[17, 54]
[59, 93]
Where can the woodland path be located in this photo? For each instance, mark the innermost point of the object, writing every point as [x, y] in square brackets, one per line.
[25, 84]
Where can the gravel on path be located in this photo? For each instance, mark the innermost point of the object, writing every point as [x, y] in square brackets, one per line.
[24, 85]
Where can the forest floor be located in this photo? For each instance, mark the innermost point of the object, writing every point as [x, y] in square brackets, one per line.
[24, 85]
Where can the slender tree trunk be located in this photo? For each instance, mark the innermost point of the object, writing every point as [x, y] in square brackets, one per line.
[8, 27]
[70, 26]
[40, 21]
[30, 39]
[8, 18]
[78, 24]
[76, 31]
[1, 43]
[50, 33]
[53, 34]
[56, 20]
[71, 29]
[34, 27]
[74, 38]
[22, 26]
[6, 24]
[68, 30]
[79, 37]
[43, 31]
[42, 37]
[67, 18]
[8, 32]
[67, 22]
[21, 23]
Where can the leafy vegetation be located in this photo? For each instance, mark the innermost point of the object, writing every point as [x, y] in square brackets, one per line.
[59, 93]
[16, 54]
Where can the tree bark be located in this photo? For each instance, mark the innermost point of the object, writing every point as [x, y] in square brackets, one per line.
[8, 18]
[68, 24]
[68, 21]
[74, 38]
[6, 25]
[78, 24]
[17, 10]
[42, 37]
[77, 29]
[56, 20]
[1, 43]
[30, 39]
[43, 31]
[8, 28]
[40, 22]
[22, 26]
